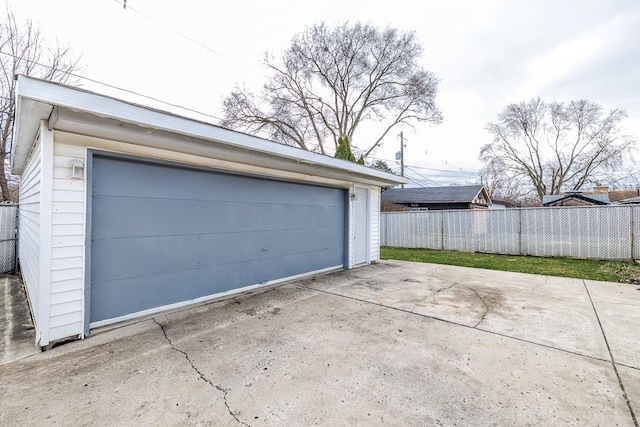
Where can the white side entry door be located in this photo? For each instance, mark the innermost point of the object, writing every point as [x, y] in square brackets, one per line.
[361, 226]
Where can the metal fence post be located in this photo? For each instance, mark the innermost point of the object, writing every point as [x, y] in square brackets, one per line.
[520, 231]
[442, 229]
[15, 245]
[632, 231]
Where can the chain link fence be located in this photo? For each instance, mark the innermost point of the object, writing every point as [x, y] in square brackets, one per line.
[594, 232]
[8, 237]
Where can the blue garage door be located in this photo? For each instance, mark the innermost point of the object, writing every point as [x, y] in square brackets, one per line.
[163, 234]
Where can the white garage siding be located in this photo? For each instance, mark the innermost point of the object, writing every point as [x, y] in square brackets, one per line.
[29, 228]
[67, 246]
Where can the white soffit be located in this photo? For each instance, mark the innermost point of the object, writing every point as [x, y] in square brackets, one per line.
[36, 100]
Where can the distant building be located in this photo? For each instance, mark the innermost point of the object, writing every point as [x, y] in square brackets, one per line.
[501, 204]
[575, 198]
[629, 201]
[439, 198]
[623, 196]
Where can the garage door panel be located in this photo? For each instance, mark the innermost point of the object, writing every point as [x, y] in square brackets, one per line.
[117, 298]
[167, 182]
[163, 235]
[295, 264]
[118, 217]
[114, 259]
[131, 217]
[226, 277]
[240, 247]
[195, 251]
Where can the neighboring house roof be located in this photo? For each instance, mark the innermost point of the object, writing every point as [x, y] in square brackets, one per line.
[596, 199]
[619, 195]
[504, 203]
[631, 201]
[70, 108]
[461, 194]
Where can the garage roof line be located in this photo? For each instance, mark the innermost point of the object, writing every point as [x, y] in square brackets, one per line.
[36, 99]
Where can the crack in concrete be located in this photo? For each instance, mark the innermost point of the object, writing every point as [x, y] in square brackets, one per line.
[201, 375]
[613, 361]
[413, 307]
[487, 307]
[462, 325]
[437, 268]
[446, 288]
[535, 288]
[431, 295]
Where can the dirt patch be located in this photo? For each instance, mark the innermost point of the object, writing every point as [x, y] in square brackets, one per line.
[628, 273]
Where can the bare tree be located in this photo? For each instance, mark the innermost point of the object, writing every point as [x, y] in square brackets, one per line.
[330, 80]
[23, 51]
[392, 207]
[511, 188]
[381, 165]
[556, 146]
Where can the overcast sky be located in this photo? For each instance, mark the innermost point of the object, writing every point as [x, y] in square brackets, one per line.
[486, 54]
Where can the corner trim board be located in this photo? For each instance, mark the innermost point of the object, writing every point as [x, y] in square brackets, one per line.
[88, 193]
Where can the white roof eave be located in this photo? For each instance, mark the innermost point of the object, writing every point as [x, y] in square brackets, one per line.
[40, 97]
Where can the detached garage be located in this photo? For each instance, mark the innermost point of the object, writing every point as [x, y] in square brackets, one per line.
[126, 211]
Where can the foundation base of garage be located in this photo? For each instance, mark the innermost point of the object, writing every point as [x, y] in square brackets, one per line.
[17, 333]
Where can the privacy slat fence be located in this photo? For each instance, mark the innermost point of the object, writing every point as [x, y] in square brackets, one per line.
[597, 232]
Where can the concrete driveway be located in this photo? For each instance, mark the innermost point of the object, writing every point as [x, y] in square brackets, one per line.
[395, 343]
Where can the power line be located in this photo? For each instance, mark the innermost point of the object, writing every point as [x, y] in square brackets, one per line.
[458, 172]
[166, 27]
[78, 76]
[459, 177]
[416, 182]
[420, 175]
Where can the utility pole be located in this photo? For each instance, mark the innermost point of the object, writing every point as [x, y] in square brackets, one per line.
[402, 156]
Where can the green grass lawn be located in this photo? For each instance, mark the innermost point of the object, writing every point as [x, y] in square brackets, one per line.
[564, 267]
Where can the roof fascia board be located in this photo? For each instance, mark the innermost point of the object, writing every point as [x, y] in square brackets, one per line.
[28, 115]
[83, 124]
[18, 113]
[104, 106]
[432, 201]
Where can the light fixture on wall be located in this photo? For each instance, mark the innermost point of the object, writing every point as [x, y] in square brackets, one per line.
[352, 196]
[77, 168]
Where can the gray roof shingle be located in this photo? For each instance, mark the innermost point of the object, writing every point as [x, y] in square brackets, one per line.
[461, 193]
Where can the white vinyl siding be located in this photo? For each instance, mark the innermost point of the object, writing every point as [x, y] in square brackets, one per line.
[29, 230]
[67, 245]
